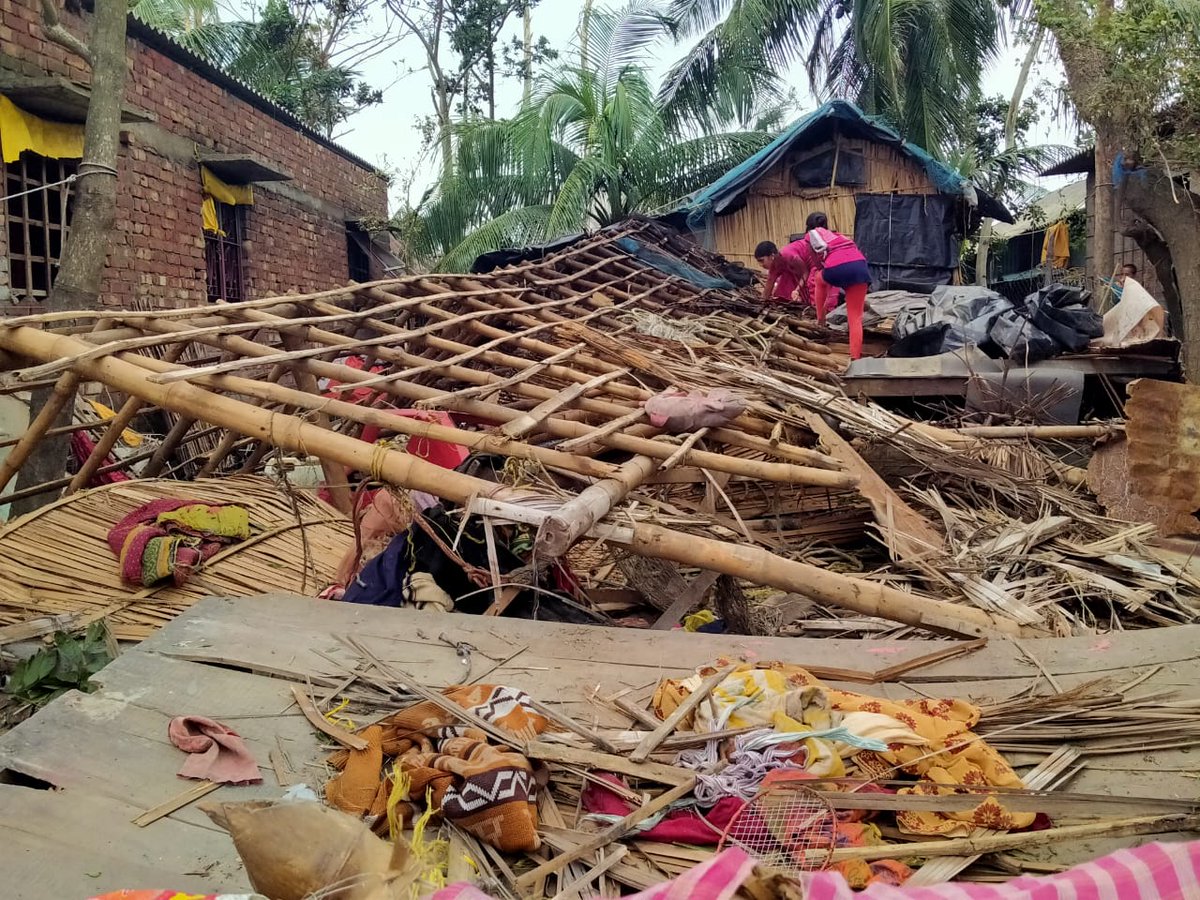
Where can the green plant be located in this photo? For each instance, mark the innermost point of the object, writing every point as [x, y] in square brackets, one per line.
[64, 666]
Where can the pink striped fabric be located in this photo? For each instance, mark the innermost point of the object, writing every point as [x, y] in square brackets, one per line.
[1152, 872]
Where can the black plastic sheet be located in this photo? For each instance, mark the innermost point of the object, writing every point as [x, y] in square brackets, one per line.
[909, 241]
[1053, 321]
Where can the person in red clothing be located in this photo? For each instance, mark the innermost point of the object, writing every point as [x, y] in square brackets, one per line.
[842, 266]
[785, 270]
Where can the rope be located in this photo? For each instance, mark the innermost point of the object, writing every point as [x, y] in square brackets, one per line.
[70, 179]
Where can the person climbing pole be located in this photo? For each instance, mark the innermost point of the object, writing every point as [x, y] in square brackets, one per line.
[842, 266]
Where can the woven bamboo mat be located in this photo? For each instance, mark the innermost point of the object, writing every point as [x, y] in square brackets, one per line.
[56, 562]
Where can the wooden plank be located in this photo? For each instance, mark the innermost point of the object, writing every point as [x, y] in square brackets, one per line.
[319, 722]
[907, 534]
[191, 795]
[279, 629]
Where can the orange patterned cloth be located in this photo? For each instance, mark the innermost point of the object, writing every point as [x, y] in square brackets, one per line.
[953, 754]
[489, 791]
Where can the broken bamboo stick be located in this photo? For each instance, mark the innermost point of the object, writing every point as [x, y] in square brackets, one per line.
[563, 527]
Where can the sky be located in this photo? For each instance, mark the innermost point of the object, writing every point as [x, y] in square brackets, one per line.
[388, 135]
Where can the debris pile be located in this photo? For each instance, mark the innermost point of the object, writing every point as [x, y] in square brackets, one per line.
[618, 399]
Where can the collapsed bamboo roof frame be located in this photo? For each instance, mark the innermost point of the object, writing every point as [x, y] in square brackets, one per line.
[554, 323]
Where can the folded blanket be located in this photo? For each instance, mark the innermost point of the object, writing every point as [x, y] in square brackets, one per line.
[170, 538]
[489, 791]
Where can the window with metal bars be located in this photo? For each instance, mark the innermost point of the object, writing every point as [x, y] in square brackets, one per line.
[37, 218]
[223, 255]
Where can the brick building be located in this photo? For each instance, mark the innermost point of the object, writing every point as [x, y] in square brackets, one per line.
[192, 137]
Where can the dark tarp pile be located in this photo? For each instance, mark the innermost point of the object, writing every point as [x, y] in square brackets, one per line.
[1053, 321]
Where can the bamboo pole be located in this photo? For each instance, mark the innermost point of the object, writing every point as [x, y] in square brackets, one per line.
[402, 469]
[63, 393]
[1043, 432]
[995, 843]
[489, 442]
[563, 527]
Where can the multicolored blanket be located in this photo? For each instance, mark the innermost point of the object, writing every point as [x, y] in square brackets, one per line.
[486, 790]
[170, 538]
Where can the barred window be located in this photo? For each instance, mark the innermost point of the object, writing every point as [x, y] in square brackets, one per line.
[223, 255]
[37, 218]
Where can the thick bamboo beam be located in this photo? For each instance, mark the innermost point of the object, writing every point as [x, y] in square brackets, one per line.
[571, 521]
[402, 469]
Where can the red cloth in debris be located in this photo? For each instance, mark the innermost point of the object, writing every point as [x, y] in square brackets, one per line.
[82, 446]
[684, 826]
[677, 411]
[217, 753]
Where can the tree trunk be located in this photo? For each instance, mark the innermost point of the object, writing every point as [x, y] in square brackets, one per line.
[77, 285]
[527, 46]
[444, 119]
[983, 252]
[1168, 209]
[1010, 141]
[1103, 255]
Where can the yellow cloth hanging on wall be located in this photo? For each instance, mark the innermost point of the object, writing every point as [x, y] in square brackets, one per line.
[1058, 235]
[215, 189]
[21, 131]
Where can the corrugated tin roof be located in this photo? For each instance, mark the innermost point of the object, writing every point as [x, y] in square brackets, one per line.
[1054, 205]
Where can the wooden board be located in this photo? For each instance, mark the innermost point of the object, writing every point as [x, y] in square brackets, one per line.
[235, 661]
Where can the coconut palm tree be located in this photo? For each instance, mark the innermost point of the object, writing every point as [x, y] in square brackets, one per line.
[592, 146]
[913, 62]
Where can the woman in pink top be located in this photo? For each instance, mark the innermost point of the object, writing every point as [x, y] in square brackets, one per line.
[842, 266]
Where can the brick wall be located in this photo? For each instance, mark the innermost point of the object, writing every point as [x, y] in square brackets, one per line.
[295, 232]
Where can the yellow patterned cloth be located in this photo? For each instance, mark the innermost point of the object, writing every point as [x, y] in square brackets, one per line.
[786, 697]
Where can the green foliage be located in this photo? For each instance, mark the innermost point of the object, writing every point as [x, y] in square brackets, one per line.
[916, 63]
[1006, 174]
[593, 146]
[66, 665]
[284, 56]
[1134, 70]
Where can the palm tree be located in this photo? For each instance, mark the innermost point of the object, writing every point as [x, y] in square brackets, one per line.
[913, 62]
[592, 147]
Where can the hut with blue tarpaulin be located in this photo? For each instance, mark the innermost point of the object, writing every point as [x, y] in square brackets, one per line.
[906, 210]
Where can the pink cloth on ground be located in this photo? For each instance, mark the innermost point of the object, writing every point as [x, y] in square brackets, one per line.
[217, 753]
[1158, 871]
